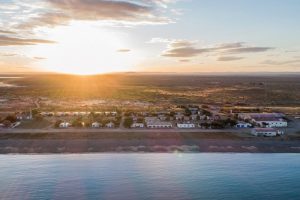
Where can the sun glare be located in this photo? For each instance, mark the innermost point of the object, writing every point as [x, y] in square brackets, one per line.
[85, 49]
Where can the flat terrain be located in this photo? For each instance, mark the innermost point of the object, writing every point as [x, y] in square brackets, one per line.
[155, 141]
[56, 92]
[251, 90]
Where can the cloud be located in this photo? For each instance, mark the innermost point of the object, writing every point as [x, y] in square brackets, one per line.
[13, 41]
[46, 19]
[123, 50]
[8, 54]
[183, 52]
[184, 60]
[291, 51]
[159, 40]
[229, 58]
[248, 50]
[6, 32]
[286, 62]
[182, 43]
[39, 58]
[185, 48]
[61, 12]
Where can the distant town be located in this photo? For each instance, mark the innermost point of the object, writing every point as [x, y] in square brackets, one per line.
[253, 121]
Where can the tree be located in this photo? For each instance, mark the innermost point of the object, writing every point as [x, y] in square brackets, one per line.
[205, 125]
[218, 124]
[38, 117]
[172, 114]
[207, 113]
[77, 122]
[35, 112]
[11, 118]
[6, 123]
[231, 122]
[57, 123]
[188, 112]
[140, 120]
[128, 121]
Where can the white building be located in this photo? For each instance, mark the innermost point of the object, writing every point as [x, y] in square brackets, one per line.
[179, 116]
[150, 119]
[194, 117]
[137, 125]
[250, 116]
[268, 132]
[243, 125]
[271, 122]
[159, 124]
[186, 125]
[64, 125]
[162, 117]
[96, 125]
[110, 125]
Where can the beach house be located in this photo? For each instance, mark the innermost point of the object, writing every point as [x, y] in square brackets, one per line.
[267, 132]
[137, 125]
[96, 125]
[64, 125]
[242, 124]
[186, 125]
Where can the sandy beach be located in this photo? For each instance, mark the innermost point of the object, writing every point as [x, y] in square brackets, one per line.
[81, 142]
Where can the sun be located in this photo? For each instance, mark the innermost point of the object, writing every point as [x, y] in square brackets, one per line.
[86, 49]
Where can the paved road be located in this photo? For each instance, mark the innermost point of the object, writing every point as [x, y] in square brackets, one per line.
[120, 130]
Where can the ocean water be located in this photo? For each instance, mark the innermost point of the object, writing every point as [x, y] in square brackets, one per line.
[150, 176]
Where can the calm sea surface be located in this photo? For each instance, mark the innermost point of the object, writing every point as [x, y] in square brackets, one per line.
[150, 176]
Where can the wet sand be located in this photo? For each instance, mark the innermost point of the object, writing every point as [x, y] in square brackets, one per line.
[143, 142]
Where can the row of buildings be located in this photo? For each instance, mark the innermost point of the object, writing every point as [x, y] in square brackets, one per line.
[93, 125]
[266, 120]
[62, 114]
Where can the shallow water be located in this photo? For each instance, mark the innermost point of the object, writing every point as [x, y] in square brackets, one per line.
[150, 176]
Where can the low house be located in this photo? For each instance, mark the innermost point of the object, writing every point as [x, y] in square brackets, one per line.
[150, 119]
[114, 113]
[243, 125]
[162, 117]
[193, 110]
[179, 116]
[59, 114]
[186, 125]
[23, 116]
[159, 124]
[249, 116]
[267, 132]
[186, 118]
[194, 117]
[270, 122]
[204, 117]
[96, 125]
[137, 125]
[64, 125]
[110, 125]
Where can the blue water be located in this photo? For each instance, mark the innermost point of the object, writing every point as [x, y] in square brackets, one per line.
[150, 176]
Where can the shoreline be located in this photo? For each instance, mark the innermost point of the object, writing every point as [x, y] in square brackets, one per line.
[139, 142]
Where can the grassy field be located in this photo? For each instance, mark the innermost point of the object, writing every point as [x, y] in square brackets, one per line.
[35, 124]
[238, 90]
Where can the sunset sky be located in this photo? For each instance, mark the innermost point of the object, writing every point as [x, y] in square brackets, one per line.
[100, 36]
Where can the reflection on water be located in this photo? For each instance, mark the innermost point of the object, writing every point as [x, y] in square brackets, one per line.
[150, 176]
